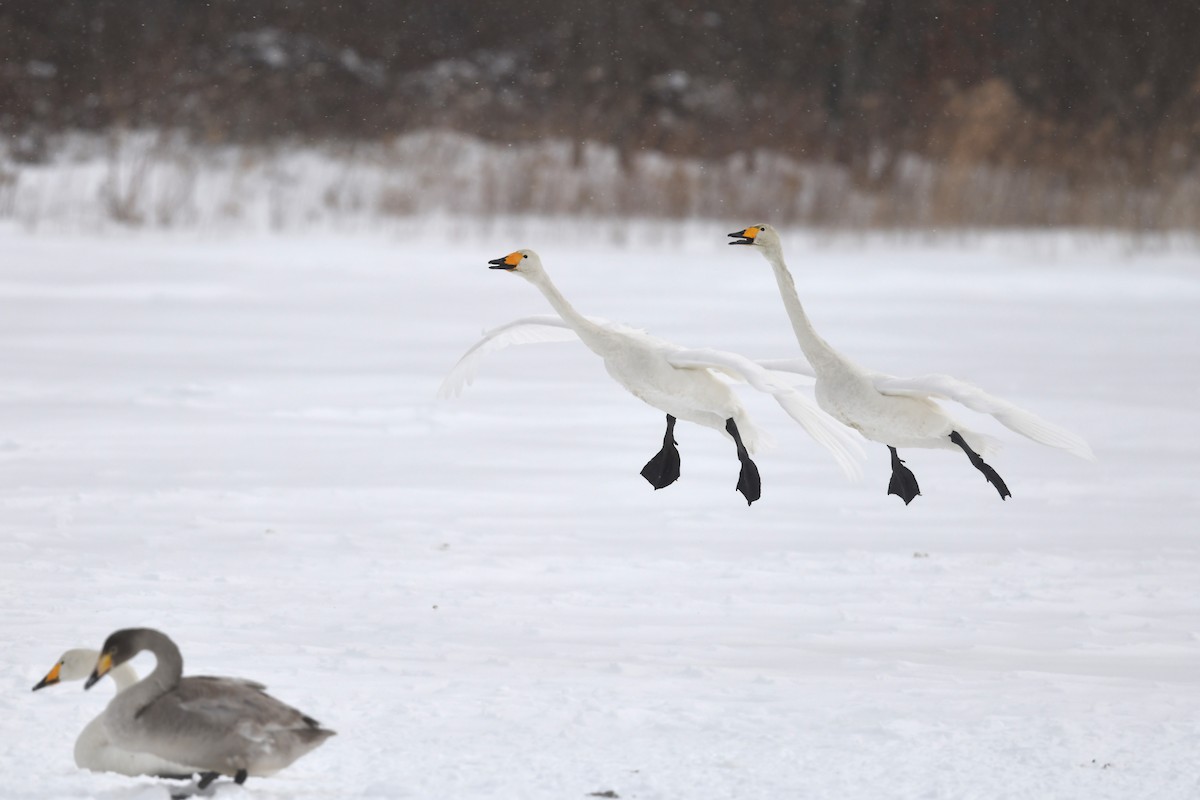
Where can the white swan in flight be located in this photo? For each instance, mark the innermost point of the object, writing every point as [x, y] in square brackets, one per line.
[681, 382]
[224, 726]
[897, 412]
[93, 749]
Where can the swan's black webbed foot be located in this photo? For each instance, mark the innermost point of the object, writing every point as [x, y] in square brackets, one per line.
[240, 777]
[663, 470]
[992, 476]
[903, 483]
[749, 483]
[205, 780]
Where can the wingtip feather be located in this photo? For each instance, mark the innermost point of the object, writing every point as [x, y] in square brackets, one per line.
[1043, 432]
[827, 432]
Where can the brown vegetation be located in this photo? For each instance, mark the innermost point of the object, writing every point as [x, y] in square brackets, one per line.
[1018, 112]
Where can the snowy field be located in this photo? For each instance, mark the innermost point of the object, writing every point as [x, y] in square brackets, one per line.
[237, 441]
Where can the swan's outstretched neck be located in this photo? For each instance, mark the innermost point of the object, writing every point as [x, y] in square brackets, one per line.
[816, 350]
[588, 331]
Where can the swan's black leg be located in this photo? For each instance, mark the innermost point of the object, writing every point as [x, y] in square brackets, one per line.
[749, 484]
[663, 470]
[240, 777]
[903, 483]
[992, 476]
[206, 779]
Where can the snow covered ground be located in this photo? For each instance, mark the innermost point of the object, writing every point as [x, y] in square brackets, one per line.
[237, 441]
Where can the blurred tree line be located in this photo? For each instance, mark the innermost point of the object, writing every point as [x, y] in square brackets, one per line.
[1075, 86]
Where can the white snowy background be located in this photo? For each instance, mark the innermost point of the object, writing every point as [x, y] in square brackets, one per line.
[235, 439]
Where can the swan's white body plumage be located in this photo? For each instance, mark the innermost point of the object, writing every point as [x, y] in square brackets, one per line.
[94, 750]
[686, 383]
[900, 412]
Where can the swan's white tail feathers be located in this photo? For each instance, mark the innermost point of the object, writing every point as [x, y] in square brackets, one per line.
[755, 439]
[981, 443]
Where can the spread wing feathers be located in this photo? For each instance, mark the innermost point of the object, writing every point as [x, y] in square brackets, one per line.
[795, 365]
[527, 330]
[1011, 416]
[827, 432]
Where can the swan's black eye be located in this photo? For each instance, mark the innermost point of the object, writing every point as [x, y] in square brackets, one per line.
[524, 256]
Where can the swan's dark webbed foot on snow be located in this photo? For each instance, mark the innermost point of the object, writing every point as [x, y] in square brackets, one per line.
[903, 483]
[749, 483]
[206, 779]
[992, 476]
[663, 470]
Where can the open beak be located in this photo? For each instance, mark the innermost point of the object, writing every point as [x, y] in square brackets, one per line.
[50, 679]
[103, 665]
[508, 263]
[744, 237]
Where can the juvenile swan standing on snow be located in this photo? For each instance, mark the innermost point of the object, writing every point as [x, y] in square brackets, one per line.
[897, 412]
[681, 382]
[93, 750]
[224, 726]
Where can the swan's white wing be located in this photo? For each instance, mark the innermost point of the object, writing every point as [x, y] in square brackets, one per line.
[796, 365]
[828, 432]
[1013, 417]
[527, 330]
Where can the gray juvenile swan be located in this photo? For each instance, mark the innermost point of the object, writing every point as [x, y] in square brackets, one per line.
[93, 749]
[223, 726]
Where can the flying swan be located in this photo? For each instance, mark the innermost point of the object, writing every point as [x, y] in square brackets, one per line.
[897, 412]
[93, 749]
[222, 726]
[679, 381]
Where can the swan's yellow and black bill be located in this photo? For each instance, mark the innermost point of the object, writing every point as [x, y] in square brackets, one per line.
[745, 237]
[50, 679]
[103, 665]
[509, 262]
